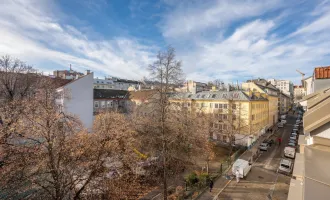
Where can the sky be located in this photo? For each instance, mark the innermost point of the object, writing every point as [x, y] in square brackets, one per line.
[230, 40]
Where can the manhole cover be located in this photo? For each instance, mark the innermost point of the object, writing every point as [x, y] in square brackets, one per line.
[260, 177]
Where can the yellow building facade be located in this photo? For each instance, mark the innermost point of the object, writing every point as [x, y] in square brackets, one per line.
[271, 94]
[237, 116]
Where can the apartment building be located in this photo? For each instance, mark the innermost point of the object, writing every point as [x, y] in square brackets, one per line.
[76, 97]
[108, 99]
[284, 86]
[299, 92]
[321, 78]
[311, 175]
[271, 93]
[193, 87]
[68, 74]
[243, 114]
[116, 84]
[284, 103]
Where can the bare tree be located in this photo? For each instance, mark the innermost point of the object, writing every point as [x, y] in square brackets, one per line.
[166, 70]
[51, 156]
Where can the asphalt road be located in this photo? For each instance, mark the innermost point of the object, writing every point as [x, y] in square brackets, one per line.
[263, 181]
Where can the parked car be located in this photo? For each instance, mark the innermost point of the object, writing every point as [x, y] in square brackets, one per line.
[296, 126]
[285, 166]
[294, 134]
[242, 166]
[264, 146]
[289, 152]
[295, 130]
[297, 121]
[283, 121]
[283, 116]
[293, 137]
[290, 144]
[270, 142]
[292, 141]
[280, 125]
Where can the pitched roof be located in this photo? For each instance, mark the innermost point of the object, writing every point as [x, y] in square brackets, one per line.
[322, 72]
[218, 95]
[110, 94]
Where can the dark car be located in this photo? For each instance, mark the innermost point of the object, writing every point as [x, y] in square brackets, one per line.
[270, 142]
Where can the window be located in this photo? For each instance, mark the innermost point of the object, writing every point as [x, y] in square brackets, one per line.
[253, 106]
[203, 105]
[213, 96]
[96, 104]
[109, 104]
[225, 106]
[220, 105]
[224, 138]
[225, 116]
[102, 104]
[225, 127]
[234, 117]
[203, 96]
[216, 126]
[188, 104]
[253, 117]
[189, 95]
[97, 81]
[216, 105]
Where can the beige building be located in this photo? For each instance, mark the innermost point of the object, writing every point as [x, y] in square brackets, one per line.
[284, 104]
[193, 87]
[311, 175]
[237, 114]
[270, 92]
[299, 92]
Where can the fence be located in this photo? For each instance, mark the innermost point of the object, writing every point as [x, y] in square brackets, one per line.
[195, 191]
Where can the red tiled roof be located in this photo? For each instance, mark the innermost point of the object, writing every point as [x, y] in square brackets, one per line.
[322, 72]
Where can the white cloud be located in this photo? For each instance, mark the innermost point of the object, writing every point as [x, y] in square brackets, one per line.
[189, 18]
[30, 33]
[257, 47]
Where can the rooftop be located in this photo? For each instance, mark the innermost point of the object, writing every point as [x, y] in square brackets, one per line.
[322, 72]
[217, 95]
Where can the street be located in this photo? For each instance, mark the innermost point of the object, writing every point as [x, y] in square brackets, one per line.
[263, 181]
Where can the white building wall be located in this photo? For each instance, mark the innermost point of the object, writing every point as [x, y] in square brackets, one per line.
[80, 101]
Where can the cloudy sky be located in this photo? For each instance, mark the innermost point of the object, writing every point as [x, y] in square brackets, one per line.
[224, 39]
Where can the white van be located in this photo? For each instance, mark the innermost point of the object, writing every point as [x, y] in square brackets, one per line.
[289, 152]
[242, 166]
[285, 166]
[283, 116]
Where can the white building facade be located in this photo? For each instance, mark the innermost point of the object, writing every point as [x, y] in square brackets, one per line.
[116, 84]
[284, 86]
[77, 99]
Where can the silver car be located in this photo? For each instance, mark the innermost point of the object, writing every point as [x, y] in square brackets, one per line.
[285, 166]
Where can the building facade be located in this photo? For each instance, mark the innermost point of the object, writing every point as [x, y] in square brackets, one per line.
[312, 162]
[299, 92]
[271, 93]
[193, 87]
[116, 84]
[108, 99]
[76, 98]
[68, 74]
[284, 103]
[321, 78]
[284, 86]
[238, 117]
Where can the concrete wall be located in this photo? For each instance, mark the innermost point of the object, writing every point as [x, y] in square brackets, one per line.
[320, 84]
[80, 101]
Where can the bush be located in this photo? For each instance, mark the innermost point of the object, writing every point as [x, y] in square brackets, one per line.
[192, 179]
[204, 178]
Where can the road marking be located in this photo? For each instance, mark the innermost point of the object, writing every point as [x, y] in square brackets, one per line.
[217, 195]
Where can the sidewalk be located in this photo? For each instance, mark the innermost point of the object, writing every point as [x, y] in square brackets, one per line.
[222, 182]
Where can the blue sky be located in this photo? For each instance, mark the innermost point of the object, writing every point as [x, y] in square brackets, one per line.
[224, 39]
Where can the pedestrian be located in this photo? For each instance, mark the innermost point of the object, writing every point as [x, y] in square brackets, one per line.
[279, 141]
[211, 185]
[237, 176]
